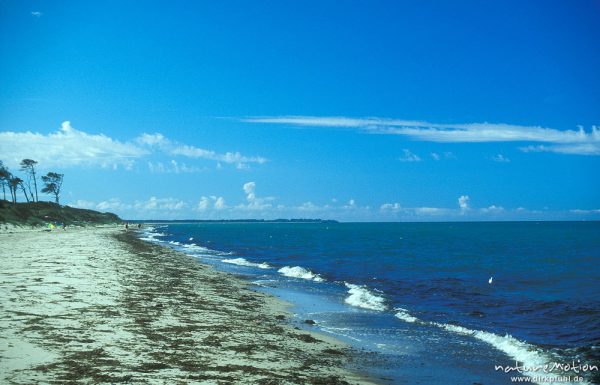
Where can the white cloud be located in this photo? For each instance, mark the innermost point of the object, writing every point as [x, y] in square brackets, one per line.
[214, 207]
[573, 149]
[68, 147]
[173, 167]
[249, 187]
[463, 202]
[153, 140]
[254, 202]
[164, 207]
[393, 207]
[492, 209]
[500, 158]
[174, 148]
[160, 204]
[83, 204]
[579, 211]
[309, 206]
[71, 147]
[445, 155]
[565, 141]
[205, 203]
[408, 156]
[220, 203]
[36, 14]
[430, 211]
[113, 204]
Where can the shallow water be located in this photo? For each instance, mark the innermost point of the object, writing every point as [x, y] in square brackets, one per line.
[418, 294]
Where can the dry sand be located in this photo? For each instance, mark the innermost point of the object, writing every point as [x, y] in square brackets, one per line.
[97, 305]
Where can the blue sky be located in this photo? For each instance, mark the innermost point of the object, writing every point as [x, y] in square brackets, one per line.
[358, 111]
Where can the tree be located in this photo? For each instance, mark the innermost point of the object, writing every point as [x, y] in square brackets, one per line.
[16, 183]
[53, 182]
[13, 183]
[28, 165]
[4, 178]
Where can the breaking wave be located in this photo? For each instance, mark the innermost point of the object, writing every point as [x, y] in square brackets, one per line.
[360, 296]
[300, 272]
[244, 262]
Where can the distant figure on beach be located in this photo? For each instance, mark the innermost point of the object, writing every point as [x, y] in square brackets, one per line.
[126, 226]
[64, 226]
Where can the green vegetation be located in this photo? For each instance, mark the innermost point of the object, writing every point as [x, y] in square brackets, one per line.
[42, 213]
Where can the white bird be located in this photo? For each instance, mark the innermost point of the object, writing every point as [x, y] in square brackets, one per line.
[490, 280]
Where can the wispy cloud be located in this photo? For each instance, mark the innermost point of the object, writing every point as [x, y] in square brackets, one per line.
[580, 211]
[390, 207]
[500, 158]
[445, 155]
[408, 156]
[168, 146]
[36, 14]
[574, 149]
[493, 209]
[563, 141]
[173, 167]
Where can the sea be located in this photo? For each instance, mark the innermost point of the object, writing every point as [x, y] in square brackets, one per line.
[426, 303]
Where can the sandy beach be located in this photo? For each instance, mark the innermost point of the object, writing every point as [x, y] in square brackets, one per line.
[97, 305]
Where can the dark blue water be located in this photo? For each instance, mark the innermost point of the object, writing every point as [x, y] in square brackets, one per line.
[409, 290]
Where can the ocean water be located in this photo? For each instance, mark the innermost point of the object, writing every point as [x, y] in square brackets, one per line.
[430, 303]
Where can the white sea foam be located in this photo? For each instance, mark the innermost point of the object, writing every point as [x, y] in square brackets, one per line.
[526, 354]
[360, 296]
[243, 262]
[300, 272]
[404, 315]
[152, 236]
[339, 332]
[195, 247]
[174, 243]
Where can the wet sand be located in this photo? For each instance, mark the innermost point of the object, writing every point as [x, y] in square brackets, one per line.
[97, 305]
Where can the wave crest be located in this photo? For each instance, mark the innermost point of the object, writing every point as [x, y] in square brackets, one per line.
[300, 272]
[244, 262]
[360, 296]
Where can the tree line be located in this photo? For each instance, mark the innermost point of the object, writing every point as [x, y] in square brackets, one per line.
[52, 182]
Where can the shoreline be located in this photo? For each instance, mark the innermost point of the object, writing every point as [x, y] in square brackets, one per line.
[101, 305]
